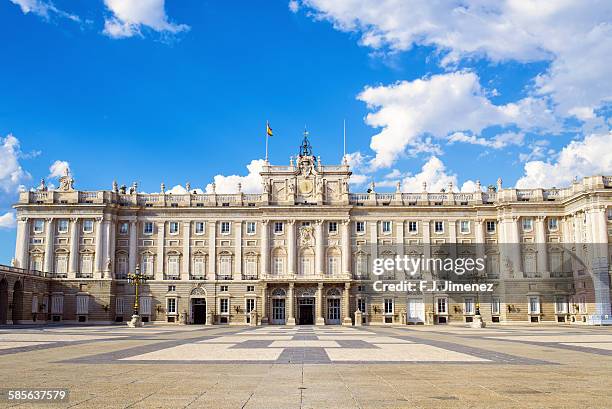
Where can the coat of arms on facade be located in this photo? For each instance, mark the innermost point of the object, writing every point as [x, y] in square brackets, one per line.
[306, 236]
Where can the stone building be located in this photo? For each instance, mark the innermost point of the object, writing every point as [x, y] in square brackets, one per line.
[302, 251]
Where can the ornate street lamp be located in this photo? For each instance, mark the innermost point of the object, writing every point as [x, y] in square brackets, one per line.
[136, 279]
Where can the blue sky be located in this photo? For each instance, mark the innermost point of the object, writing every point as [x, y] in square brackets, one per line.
[177, 91]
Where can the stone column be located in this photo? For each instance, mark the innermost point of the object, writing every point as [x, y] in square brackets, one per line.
[186, 251]
[265, 248]
[291, 248]
[452, 230]
[108, 248]
[373, 239]
[319, 320]
[290, 301]
[49, 245]
[264, 303]
[319, 249]
[99, 257]
[238, 251]
[133, 252]
[426, 238]
[510, 252]
[542, 255]
[161, 238]
[400, 238]
[479, 234]
[22, 246]
[211, 272]
[598, 226]
[346, 305]
[346, 248]
[73, 262]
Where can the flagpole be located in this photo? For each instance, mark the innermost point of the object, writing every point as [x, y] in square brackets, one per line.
[267, 125]
[344, 139]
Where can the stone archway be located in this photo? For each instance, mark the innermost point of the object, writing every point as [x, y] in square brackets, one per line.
[198, 306]
[17, 302]
[3, 301]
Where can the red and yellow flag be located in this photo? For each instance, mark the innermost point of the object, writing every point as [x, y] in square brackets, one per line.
[268, 129]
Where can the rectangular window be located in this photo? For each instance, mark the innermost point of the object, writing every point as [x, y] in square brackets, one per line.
[250, 305]
[147, 265]
[534, 305]
[250, 289]
[305, 224]
[388, 306]
[171, 288]
[333, 265]
[561, 305]
[527, 224]
[465, 226]
[442, 305]
[39, 225]
[468, 304]
[386, 227]
[251, 266]
[171, 305]
[360, 227]
[412, 227]
[173, 266]
[174, 227]
[278, 227]
[61, 264]
[490, 226]
[86, 264]
[199, 228]
[439, 227]
[278, 265]
[224, 305]
[88, 226]
[251, 227]
[333, 227]
[495, 306]
[224, 288]
[552, 224]
[124, 228]
[198, 266]
[148, 228]
[62, 226]
[225, 227]
[226, 265]
[361, 305]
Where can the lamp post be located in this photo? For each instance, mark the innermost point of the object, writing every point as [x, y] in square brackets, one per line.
[136, 279]
[477, 321]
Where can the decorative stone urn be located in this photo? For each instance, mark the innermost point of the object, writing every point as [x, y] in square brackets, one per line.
[358, 318]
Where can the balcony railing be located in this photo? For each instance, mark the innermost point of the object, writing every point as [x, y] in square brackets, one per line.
[223, 276]
[171, 277]
[249, 276]
[197, 277]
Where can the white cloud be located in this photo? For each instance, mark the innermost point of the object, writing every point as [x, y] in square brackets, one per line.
[251, 183]
[438, 106]
[497, 142]
[589, 157]
[294, 6]
[11, 173]
[43, 9]
[436, 176]
[394, 174]
[8, 221]
[357, 179]
[574, 36]
[58, 169]
[129, 16]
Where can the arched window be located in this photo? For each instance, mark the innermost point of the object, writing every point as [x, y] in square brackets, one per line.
[333, 262]
[61, 263]
[174, 262]
[278, 292]
[147, 264]
[278, 261]
[199, 265]
[306, 265]
[122, 265]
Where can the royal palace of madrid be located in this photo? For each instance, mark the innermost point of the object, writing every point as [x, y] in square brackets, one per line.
[302, 252]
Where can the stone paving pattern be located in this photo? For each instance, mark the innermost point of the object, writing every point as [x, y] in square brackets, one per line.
[312, 367]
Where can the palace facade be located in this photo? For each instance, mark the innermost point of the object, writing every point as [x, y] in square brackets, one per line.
[302, 251]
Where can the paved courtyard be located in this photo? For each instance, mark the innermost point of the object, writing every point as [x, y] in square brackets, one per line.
[312, 367]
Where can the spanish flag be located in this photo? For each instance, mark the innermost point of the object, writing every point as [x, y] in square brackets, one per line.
[268, 129]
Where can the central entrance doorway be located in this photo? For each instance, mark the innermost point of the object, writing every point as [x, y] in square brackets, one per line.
[198, 310]
[306, 311]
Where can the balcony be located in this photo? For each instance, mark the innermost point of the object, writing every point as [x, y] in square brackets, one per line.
[171, 277]
[197, 277]
[249, 276]
[223, 276]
